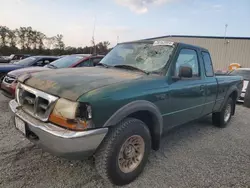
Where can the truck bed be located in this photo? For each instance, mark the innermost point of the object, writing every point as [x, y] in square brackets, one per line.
[224, 86]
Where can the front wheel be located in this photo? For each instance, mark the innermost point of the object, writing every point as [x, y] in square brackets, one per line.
[221, 119]
[124, 152]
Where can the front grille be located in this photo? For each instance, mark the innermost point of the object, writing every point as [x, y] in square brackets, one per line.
[9, 79]
[35, 102]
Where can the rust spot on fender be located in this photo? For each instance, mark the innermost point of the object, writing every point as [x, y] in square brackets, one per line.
[72, 83]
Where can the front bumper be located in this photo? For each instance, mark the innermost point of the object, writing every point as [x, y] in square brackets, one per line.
[59, 141]
[8, 89]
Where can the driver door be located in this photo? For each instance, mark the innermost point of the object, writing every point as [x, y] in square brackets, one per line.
[187, 95]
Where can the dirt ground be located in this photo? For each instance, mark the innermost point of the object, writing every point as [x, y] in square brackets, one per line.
[193, 155]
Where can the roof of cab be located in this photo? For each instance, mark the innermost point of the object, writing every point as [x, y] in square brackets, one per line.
[194, 46]
[177, 43]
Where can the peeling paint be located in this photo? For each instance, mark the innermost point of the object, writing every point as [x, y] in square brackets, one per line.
[42, 84]
[72, 83]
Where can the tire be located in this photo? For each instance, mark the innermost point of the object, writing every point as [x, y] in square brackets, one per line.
[221, 119]
[108, 155]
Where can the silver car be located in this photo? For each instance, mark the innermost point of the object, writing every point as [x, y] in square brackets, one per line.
[245, 73]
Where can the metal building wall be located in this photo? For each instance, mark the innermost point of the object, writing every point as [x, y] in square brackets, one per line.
[223, 52]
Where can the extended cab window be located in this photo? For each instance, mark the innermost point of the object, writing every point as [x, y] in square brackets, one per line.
[208, 64]
[188, 57]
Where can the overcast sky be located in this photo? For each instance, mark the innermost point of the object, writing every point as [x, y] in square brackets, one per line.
[128, 19]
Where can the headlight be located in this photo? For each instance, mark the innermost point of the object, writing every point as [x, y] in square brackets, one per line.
[72, 115]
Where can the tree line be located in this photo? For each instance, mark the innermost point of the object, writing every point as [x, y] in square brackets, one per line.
[26, 40]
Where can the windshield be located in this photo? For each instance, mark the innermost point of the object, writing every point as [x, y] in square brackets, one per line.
[244, 73]
[66, 61]
[146, 56]
[25, 62]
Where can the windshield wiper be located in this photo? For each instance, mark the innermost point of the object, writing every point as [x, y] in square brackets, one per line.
[52, 66]
[102, 64]
[131, 68]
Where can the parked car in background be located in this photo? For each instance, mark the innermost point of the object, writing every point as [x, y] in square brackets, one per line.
[76, 60]
[245, 73]
[118, 110]
[17, 57]
[27, 62]
[4, 59]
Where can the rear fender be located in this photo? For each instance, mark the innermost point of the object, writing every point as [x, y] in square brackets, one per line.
[229, 92]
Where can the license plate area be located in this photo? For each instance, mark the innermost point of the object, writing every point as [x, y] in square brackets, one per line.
[20, 125]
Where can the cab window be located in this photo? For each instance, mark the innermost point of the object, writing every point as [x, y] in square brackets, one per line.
[208, 64]
[189, 58]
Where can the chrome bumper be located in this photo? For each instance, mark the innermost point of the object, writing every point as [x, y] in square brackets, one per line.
[57, 140]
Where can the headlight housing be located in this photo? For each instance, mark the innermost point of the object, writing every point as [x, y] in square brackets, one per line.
[17, 92]
[72, 115]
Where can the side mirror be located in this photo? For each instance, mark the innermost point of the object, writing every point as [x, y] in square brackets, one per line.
[185, 72]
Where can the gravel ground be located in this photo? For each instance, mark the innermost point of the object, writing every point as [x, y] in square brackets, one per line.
[193, 155]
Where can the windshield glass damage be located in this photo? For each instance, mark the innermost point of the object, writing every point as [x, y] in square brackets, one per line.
[149, 57]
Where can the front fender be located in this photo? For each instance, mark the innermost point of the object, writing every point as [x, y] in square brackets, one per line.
[136, 106]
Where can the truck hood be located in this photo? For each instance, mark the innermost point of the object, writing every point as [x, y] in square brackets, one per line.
[17, 73]
[71, 83]
[9, 67]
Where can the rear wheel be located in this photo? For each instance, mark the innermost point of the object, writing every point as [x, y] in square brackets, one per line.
[124, 152]
[221, 119]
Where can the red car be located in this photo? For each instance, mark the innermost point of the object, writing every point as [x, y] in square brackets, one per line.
[8, 85]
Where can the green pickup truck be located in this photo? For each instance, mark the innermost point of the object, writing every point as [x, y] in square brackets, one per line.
[118, 110]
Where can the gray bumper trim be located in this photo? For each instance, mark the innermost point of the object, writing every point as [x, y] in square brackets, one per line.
[60, 141]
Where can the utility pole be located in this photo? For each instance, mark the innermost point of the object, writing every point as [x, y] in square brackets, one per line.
[117, 39]
[225, 34]
[225, 45]
[93, 37]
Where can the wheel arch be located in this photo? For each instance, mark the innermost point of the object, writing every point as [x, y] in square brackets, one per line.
[145, 111]
[234, 94]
